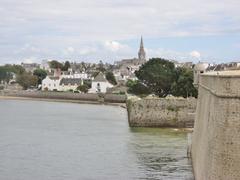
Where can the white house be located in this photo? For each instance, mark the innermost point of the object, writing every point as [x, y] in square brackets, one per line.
[100, 84]
[82, 75]
[51, 83]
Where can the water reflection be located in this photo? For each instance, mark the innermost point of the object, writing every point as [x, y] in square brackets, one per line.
[43, 140]
[161, 153]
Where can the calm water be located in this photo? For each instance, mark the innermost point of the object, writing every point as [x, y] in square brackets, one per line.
[64, 141]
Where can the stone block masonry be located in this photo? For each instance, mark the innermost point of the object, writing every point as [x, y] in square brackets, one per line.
[161, 112]
[216, 137]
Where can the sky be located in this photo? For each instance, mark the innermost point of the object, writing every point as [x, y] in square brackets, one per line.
[110, 30]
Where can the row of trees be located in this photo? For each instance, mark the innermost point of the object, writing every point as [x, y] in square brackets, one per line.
[160, 77]
[57, 65]
[25, 79]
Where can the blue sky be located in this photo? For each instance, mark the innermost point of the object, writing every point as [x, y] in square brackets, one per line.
[77, 30]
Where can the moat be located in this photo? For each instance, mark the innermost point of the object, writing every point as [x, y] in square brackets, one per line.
[50, 140]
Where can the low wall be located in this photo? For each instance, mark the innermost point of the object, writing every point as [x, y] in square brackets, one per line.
[115, 98]
[111, 98]
[161, 112]
[216, 137]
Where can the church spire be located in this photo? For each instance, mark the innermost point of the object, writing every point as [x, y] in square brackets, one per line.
[141, 44]
[141, 52]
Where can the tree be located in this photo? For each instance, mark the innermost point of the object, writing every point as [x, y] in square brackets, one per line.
[66, 66]
[137, 88]
[55, 64]
[183, 85]
[5, 75]
[111, 78]
[27, 80]
[157, 75]
[7, 72]
[17, 69]
[41, 74]
[101, 67]
[83, 88]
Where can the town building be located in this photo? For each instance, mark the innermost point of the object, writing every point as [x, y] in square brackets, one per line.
[67, 84]
[61, 81]
[45, 65]
[100, 84]
[127, 67]
[51, 83]
[30, 67]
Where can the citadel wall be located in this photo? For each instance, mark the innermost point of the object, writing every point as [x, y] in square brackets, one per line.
[216, 137]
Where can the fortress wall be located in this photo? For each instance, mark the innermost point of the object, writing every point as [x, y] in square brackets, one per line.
[216, 136]
[161, 112]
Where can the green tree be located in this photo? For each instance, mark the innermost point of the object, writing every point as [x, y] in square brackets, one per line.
[27, 80]
[7, 72]
[5, 75]
[83, 88]
[111, 78]
[17, 69]
[55, 64]
[41, 74]
[66, 66]
[157, 75]
[137, 88]
[183, 85]
[101, 67]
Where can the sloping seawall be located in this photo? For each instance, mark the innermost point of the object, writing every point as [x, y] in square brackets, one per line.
[216, 136]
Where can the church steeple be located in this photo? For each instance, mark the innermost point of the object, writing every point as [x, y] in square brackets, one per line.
[141, 52]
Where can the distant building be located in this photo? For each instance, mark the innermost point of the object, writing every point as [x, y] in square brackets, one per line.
[45, 65]
[100, 84]
[51, 83]
[67, 84]
[30, 67]
[63, 81]
[127, 67]
[82, 75]
[183, 64]
[134, 61]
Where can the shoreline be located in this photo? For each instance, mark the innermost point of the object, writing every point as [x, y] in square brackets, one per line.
[123, 105]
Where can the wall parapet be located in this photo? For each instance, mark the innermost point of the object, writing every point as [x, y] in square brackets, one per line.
[222, 84]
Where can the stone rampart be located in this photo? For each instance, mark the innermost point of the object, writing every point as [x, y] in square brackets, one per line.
[109, 98]
[161, 112]
[216, 138]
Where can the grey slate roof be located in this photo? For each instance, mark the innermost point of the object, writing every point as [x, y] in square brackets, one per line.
[72, 81]
[53, 78]
[100, 78]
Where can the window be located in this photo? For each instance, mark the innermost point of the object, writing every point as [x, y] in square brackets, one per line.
[98, 87]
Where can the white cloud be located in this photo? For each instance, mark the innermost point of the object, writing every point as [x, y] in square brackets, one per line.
[68, 51]
[87, 50]
[195, 54]
[114, 46]
[30, 60]
[51, 27]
